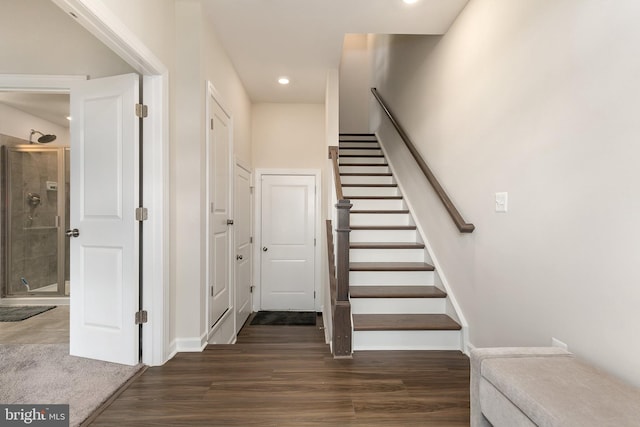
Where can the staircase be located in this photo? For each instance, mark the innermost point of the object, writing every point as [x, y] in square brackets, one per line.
[394, 300]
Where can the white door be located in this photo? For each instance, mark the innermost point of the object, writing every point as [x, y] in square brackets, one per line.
[104, 195]
[219, 239]
[242, 217]
[288, 238]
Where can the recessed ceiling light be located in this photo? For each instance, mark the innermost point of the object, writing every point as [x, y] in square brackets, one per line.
[410, 1]
[283, 80]
[69, 118]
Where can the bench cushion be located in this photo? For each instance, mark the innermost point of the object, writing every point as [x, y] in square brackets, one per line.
[563, 392]
[499, 410]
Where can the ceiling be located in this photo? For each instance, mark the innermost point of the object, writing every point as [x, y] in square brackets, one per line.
[302, 39]
[53, 107]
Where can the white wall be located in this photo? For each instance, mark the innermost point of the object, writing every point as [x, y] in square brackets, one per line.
[288, 136]
[18, 124]
[152, 21]
[37, 37]
[199, 58]
[354, 84]
[539, 99]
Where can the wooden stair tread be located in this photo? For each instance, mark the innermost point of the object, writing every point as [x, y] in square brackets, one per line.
[360, 155]
[396, 292]
[363, 164]
[383, 227]
[380, 211]
[390, 266]
[373, 135]
[369, 185]
[366, 174]
[375, 197]
[404, 322]
[386, 245]
[360, 148]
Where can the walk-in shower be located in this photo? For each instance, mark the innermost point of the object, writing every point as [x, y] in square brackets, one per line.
[35, 213]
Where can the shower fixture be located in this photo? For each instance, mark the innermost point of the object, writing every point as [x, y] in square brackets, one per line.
[33, 199]
[43, 138]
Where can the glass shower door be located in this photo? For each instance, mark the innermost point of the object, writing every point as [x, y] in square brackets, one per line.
[35, 213]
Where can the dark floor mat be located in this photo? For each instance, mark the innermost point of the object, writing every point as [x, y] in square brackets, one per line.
[18, 313]
[291, 318]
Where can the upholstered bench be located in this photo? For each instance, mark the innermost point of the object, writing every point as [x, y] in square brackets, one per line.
[546, 386]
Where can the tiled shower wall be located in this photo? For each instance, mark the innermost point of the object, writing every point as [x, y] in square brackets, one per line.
[34, 235]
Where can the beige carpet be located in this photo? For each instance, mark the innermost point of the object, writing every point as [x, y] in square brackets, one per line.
[46, 374]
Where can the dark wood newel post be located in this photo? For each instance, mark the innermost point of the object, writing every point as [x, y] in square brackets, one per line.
[342, 315]
[343, 229]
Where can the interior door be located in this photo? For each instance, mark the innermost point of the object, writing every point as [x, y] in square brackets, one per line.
[288, 240]
[104, 196]
[219, 239]
[242, 217]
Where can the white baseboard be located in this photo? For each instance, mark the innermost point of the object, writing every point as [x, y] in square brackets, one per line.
[468, 348]
[190, 345]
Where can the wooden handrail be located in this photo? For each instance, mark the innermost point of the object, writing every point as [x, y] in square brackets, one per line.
[463, 226]
[333, 155]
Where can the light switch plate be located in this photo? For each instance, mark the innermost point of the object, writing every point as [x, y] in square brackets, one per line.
[501, 201]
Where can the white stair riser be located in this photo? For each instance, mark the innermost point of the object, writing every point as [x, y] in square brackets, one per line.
[386, 255]
[360, 160]
[369, 191]
[386, 277]
[364, 169]
[366, 179]
[382, 236]
[375, 204]
[357, 151]
[380, 219]
[398, 305]
[407, 340]
[358, 144]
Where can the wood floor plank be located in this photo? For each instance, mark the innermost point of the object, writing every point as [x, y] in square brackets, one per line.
[283, 376]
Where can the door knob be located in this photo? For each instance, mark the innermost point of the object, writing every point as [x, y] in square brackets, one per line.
[72, 232]
[264, 249]
[238, 256]
[229, 222]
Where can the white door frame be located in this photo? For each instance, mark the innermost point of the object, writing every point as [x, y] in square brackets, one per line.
[257, 274]
[214, 96]
[104, 25]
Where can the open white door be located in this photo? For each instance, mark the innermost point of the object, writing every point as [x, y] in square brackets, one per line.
[288, 242]
[104, 196]
[219, 215]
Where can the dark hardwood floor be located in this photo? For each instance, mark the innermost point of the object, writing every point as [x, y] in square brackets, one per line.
[285, 376]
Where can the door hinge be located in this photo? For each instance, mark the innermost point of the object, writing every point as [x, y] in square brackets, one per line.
[250, 239]
[142, 214]
[142, 110]
[211, 290]
[314, 294]
[314, 241]
[141, 317]
[211, 124]
[251, 288]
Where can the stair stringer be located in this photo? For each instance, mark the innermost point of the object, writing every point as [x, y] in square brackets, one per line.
[453, 309]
